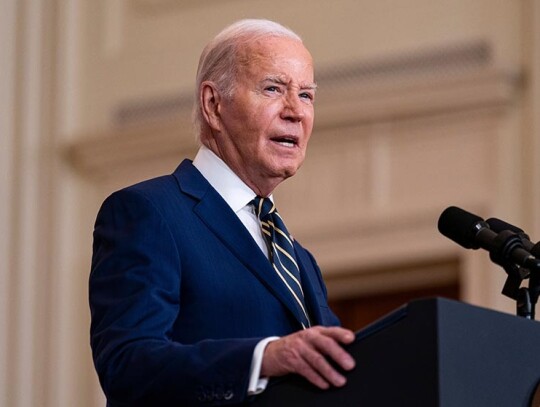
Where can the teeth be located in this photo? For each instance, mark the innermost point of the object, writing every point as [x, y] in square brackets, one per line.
[285, 141]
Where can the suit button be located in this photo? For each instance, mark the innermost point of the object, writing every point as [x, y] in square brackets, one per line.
[228, 395]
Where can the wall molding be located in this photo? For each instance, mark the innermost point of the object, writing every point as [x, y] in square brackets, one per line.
[385, 73]
[162, 6]
[365, 113]
[148, 129]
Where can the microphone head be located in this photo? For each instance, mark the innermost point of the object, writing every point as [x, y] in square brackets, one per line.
[461, 226]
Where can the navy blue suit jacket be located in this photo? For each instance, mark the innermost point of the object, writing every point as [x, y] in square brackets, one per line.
[180, 294]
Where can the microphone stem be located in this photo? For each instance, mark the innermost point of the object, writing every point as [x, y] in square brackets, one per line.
[524, 307]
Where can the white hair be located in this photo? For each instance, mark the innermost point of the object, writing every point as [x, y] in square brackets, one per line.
[219, 59]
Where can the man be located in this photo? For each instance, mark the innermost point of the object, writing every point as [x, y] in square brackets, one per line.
[192, 301]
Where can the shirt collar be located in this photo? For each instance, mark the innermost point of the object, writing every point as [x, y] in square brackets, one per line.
[231, 188]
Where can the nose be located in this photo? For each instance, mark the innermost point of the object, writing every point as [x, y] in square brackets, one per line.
[293, 109]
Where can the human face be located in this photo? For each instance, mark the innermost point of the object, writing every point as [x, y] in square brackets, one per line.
[266, 124]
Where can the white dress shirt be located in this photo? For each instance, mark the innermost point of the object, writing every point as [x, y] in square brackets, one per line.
[238, 196]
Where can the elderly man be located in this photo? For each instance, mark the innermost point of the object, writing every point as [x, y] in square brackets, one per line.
[198, 293]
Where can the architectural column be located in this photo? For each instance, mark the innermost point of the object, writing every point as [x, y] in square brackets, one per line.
[8, 31]
[531, 128]
[29, 212]
[22, 199]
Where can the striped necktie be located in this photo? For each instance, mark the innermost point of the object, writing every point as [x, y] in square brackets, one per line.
[281, 251]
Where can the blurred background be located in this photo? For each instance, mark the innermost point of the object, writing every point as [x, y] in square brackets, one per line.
[422, 104]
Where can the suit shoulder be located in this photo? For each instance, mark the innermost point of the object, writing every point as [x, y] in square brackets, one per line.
[153, 186]
[153, 190]
[163, 188]
[158, 193]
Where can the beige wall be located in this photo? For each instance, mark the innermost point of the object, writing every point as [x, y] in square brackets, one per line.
[143, 49]
[422, 104]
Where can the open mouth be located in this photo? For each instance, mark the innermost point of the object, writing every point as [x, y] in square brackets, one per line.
[286, 141]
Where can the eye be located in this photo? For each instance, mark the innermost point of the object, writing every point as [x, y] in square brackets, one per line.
[307, 96]
[272, 89]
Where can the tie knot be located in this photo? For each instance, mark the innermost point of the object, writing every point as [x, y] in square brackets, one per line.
[263, 206]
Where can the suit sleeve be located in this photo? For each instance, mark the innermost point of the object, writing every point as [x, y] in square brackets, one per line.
[135, 290]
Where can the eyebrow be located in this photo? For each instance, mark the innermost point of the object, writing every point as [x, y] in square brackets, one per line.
[280, 81]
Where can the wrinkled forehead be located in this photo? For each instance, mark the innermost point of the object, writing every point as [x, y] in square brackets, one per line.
[273, 53]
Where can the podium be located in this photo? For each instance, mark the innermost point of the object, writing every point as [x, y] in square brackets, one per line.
[430, 353]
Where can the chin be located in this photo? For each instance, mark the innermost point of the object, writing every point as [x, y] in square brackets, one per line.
[287, 172]
[284, 169]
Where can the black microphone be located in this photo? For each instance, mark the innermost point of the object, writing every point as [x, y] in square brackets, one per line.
[498, 225]
[472, 232]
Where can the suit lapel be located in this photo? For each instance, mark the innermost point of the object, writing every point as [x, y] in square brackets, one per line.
[223, 222]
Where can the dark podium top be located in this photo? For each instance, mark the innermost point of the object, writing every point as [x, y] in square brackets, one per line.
[431, 353]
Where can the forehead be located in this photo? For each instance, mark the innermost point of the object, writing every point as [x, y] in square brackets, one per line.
[276, 56]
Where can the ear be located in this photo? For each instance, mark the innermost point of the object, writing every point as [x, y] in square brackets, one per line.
[210, 100]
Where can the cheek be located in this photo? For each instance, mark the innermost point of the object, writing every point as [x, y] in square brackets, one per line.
[307, 127]
[309, 118]
[251, 126]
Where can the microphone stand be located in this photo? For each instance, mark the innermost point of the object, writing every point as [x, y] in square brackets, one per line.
[512, 289]
[534, 281]
[526, 297]
[524, 307]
